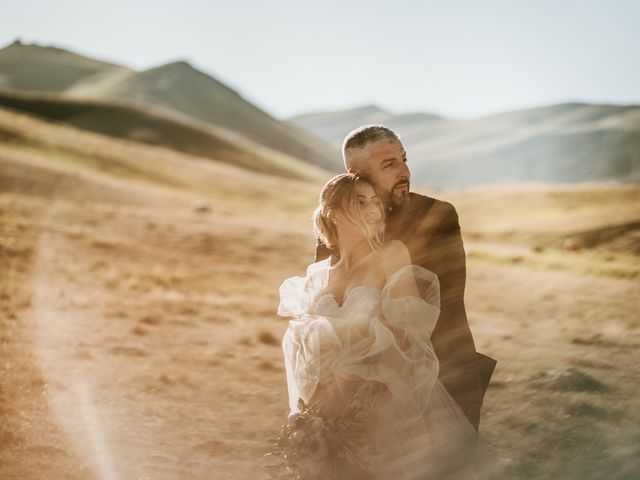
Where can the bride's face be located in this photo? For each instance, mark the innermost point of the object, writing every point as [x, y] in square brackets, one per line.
[367, 206]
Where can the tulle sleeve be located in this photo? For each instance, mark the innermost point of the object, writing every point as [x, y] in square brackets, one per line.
[308, 336]
[297, 294]
[304, 344]
[411, 301]
[410, 307]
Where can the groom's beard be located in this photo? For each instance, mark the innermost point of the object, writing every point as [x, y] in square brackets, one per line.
[398, 194]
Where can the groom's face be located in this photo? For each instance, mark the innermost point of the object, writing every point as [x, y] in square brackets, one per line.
[386, 167]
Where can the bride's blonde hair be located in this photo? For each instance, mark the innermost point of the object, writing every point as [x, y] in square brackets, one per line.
[339, 193]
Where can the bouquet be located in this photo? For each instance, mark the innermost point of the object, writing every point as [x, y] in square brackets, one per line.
[311, 446]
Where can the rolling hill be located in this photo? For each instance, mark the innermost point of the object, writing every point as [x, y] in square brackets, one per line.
[146, 124]
[570, 142]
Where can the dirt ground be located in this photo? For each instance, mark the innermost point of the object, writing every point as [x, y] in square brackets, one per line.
[139, 340]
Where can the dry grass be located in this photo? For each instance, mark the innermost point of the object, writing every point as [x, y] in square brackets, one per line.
[619, 265]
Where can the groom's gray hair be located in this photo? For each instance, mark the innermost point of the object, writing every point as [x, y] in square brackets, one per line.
[357, 142]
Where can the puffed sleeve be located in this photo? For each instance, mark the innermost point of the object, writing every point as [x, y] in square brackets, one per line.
[302, 345]
[307, 334]
[410, 306]
[297, 294]
[294, 300]
[411, 301]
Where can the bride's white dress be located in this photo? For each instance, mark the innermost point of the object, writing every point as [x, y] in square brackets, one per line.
[380, 336]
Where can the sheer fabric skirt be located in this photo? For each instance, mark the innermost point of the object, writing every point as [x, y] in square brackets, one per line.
[438, 444]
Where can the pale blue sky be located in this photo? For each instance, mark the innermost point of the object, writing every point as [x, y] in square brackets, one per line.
[457, 58]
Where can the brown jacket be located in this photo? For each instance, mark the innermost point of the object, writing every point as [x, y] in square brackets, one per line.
[430, 229]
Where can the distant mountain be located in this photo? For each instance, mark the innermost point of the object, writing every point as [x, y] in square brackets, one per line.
[48, 69]
[570, 142]
[333, 126]
[176, 86]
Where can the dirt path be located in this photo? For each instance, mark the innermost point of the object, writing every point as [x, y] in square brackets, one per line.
[33, 443]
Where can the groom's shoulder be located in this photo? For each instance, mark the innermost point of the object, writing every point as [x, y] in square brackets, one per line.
[432, 205]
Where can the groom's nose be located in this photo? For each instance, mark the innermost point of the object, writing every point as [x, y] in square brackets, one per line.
[404, 171]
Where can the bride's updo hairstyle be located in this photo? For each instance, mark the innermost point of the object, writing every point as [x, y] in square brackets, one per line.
[339, 193]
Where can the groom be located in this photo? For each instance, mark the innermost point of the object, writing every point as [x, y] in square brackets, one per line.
[430, 229]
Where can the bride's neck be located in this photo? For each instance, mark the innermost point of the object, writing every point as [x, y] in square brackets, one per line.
[352, 251]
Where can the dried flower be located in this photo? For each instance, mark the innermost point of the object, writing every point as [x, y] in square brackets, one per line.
[313, 447]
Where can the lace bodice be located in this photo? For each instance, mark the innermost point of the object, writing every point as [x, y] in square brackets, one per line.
[361, 301]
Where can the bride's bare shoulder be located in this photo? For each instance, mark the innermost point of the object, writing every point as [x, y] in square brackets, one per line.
[393, 248]
[395, 255]
[394, 245]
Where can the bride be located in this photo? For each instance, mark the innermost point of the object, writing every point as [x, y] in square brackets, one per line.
[364, 396]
